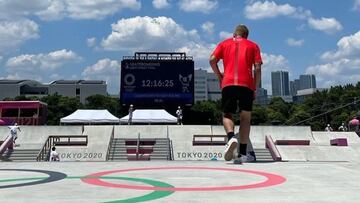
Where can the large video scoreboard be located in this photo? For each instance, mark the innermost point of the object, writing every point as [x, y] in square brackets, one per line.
[157, 79]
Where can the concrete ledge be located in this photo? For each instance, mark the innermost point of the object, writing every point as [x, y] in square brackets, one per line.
[339, 142]
[292, 142]
[209, 139]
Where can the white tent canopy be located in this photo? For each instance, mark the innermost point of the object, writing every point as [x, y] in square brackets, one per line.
[90, 116]
[150, 116]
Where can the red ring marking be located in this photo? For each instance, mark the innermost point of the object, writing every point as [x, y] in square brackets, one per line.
[271, 180]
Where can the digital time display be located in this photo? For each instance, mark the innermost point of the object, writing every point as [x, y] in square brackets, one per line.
[157, 83]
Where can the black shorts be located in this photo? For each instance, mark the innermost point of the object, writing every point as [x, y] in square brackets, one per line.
[236, 98]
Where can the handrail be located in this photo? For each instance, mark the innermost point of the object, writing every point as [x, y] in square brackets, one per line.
[269, 143]
[168, 154]
[56, 141]
[109, 146]
[138, 146]
[171, 150]
[44, 150]
[5, 145]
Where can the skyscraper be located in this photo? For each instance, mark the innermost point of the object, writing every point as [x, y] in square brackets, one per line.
[307, 82]
[294, 87]
[280, 83]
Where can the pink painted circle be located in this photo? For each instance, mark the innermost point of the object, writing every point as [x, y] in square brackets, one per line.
[271, 179]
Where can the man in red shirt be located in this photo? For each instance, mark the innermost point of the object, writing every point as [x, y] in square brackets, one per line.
[238, 84]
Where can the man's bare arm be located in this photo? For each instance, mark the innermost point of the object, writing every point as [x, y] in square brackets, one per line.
[214, 65]
[257, 74]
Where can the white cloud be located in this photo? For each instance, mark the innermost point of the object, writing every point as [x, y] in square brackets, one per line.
[157, 34]
[295, 43]
[203, 6]
[348, 47]
[224, 34]
[49, 10]
[15, 33]
[341, 66]
[339, 72]
[105, 69]
[98, 9]
[147, 34]
[269, 9]
[272, 63]
[200, 52]
[357, 5]
[160, 4]
[11, 9]
[208, 27]
[55, 76]
[102, 67]
[44, 62]
[22, 76]
[91, 42]
[327, 25]
[55, 11]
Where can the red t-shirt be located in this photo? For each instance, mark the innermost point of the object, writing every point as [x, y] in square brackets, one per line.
[238, 55]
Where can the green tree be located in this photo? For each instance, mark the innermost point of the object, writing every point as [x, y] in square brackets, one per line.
[59, 106]
[203, 112]
[259, 115]
[104, 102]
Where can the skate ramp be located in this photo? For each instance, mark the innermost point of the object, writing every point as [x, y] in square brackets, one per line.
[323, 138]
[182, 139]
[258, 133]
[96, 150]
[34, 137]
[317, 153]
[320, 149]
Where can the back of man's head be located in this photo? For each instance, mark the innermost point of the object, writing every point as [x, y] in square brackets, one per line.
[241, 31]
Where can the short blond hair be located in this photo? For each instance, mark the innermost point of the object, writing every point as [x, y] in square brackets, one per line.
[242, 31]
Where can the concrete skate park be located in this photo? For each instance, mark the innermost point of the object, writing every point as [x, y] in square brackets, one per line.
[173, 163]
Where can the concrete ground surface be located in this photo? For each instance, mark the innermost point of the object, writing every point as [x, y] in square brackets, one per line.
[179, 181]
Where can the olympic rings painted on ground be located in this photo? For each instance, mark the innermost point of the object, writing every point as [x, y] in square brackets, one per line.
[271, 179]
[151, 196]
[53, 176]
[148, 197]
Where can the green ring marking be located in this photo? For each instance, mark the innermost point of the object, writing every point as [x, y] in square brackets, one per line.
[151, 196]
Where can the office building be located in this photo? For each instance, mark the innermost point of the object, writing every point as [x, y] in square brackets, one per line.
[280, 83]
[307, 82]
[294, 87]
[206, 86]
[200, 86]
[213, 87]
[80, 89]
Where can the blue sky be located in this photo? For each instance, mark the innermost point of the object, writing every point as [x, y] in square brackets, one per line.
[48, 40]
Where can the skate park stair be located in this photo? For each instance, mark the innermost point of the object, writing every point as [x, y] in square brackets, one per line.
[263, 155]
[21, 155]
[161, 150]
[144, 149]
[117, 150]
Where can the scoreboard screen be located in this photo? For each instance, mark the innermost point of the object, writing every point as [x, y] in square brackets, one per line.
[150, 83]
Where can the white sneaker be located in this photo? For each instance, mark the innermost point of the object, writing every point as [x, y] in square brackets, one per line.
[244, 159]
[230, 147]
